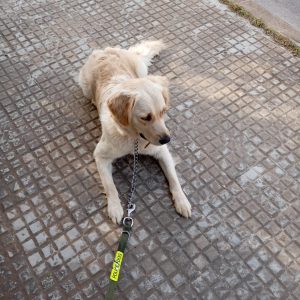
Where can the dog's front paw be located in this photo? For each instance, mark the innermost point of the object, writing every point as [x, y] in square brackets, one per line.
[182, 205]
[115, 211]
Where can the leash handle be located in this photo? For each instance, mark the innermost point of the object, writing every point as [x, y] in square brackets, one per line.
[117, 263]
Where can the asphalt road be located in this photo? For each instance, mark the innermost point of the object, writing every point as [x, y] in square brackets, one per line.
[281, 15]
[287, 10]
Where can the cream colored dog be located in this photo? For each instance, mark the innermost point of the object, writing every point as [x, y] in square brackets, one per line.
[131, 104]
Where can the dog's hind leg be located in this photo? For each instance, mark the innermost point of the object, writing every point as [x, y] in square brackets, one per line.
[86, 73]
[147, 50]
[85, 84]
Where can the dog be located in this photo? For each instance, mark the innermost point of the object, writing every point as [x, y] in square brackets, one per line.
[131, 104]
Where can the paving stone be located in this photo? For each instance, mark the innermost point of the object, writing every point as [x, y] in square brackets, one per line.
[34, 259]
[68, 286]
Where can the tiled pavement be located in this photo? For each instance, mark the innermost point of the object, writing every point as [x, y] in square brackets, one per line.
[235, 118]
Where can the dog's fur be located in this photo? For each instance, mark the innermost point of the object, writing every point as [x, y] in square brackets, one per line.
[131, 104]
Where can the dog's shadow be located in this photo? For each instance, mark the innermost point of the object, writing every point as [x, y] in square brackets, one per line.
[150, 179]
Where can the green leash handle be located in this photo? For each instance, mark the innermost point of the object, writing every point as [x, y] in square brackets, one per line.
[117, 262]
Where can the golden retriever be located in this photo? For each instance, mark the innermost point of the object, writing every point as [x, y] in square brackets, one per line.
[131, 105]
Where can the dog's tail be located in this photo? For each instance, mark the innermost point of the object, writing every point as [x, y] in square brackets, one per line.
[148, 49]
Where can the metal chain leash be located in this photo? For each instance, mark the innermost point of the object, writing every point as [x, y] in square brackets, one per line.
[130, 204]
[127, 227]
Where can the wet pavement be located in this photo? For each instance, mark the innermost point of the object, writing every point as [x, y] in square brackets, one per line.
[235, 118]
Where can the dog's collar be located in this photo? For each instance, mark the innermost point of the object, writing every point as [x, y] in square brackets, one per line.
[142, 136]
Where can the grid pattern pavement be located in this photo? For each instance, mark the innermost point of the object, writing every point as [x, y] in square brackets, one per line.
[235, 118]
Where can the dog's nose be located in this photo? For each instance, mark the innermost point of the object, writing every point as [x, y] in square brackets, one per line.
[165, 139]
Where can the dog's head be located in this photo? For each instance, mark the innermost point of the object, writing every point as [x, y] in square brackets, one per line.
[140, 106]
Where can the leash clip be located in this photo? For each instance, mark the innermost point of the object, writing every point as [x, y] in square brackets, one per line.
[128, 220]
[130, 209]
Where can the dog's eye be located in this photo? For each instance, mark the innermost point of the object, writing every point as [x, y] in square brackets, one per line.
[147, 118]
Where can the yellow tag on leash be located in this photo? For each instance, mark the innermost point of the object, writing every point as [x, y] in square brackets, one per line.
[114, 275]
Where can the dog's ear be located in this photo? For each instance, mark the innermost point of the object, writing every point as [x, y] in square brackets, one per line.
[164, 83]
[121, 106]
